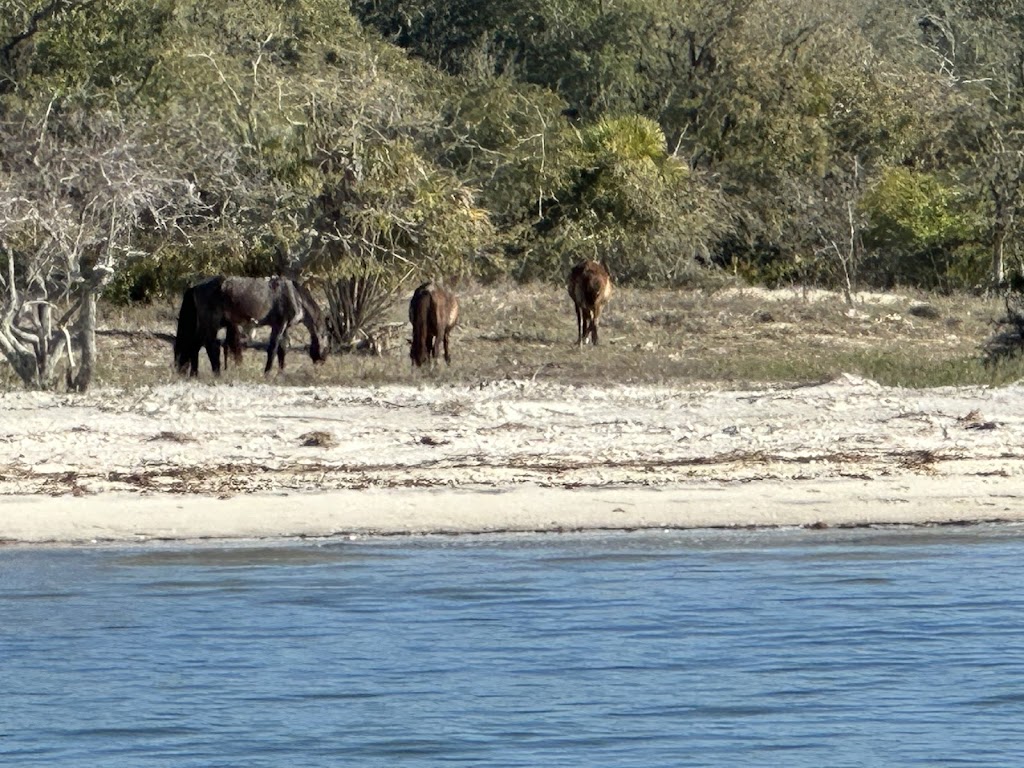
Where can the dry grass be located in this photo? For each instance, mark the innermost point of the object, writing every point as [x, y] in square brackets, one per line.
[733, 337]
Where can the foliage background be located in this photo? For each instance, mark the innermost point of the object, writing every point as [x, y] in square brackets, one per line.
[844, 143]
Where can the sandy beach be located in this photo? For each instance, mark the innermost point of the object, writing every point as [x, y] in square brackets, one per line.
[195, 461]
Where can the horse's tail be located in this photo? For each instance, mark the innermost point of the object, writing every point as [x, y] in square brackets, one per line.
[453, 311]
[590, 285]
[419, 315]
[187, 338]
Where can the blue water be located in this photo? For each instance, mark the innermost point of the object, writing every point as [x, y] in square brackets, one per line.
[801, 648]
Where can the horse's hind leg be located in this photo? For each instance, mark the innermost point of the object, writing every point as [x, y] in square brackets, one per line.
[225, 349]
[282, 346]
[586, 323]
[213, 352]
[273, 348]
[447, 355]
[232, 344]
[580, 325]
[436, 346]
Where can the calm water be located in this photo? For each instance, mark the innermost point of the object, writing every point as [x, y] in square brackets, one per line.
[787, 649]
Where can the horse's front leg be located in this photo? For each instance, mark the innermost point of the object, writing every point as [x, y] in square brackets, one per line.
[580, 325]
[594, 319]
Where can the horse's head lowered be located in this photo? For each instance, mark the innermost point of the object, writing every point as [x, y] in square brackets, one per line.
[319, 344]
[317, 325]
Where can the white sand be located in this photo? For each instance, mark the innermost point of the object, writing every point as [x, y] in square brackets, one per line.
[191, 460]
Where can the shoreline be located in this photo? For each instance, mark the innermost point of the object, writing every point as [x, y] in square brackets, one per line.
[840, 503]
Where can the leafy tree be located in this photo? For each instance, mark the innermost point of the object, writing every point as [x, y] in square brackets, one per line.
[922, 221]
[979, 48]
[510, 141]
[392, 215]
[627, 202]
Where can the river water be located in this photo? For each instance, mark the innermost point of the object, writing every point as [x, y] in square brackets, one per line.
[772, 648]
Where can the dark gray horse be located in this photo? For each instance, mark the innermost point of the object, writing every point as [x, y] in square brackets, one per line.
[231, 302]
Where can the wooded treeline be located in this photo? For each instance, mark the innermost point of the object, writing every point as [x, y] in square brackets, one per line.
[849, 143]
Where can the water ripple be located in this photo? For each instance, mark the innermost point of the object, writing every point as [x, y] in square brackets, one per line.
[889, 648]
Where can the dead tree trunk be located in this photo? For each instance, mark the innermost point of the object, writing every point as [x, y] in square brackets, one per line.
[85, 333]
[31, 339]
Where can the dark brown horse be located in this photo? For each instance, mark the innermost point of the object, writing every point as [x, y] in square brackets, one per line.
[231, 302]
[433, 312]
[590, 286]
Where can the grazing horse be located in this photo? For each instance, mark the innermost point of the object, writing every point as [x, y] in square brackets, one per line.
[230, 302]
[590, 286]
[433, 312]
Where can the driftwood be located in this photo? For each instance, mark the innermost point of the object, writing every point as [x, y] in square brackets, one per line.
[379, 341]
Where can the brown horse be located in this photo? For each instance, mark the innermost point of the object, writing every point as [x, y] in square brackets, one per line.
[231, 302]
[590, 286]
[433, 312]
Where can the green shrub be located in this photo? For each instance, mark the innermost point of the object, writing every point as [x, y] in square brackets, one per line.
[921, 230]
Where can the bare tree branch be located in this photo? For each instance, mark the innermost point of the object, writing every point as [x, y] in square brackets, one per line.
[72, 201]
